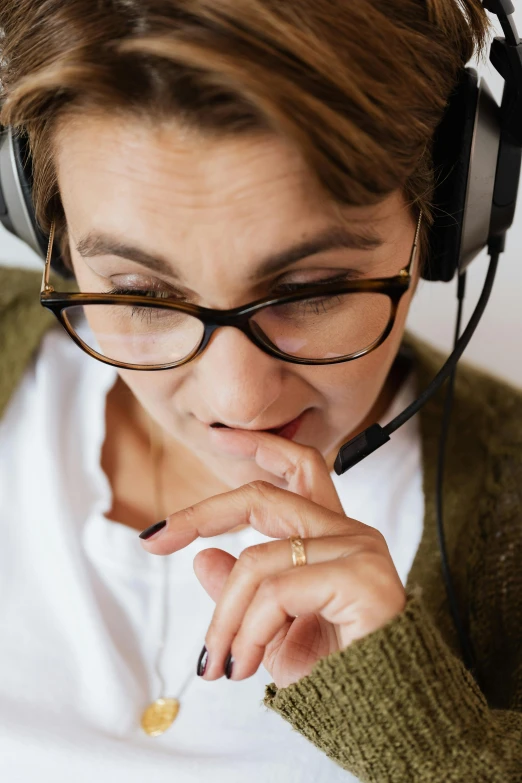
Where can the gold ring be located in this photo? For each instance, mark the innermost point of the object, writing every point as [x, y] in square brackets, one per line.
[298, 551]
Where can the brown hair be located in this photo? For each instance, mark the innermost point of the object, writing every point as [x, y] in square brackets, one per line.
[358, 85]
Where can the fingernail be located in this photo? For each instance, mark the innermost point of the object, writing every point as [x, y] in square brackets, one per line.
[228, 666]
[202, 662]
[150, 531]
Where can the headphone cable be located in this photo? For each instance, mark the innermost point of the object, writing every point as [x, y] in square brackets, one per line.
[464, 639]
[459, 349]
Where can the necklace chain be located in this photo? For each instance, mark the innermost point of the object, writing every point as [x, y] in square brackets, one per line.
[160, 714]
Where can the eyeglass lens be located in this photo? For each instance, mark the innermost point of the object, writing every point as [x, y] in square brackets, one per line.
[322, 327]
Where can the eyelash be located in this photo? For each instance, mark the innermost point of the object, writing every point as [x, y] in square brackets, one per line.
[284, 288]
[151, 293]
[314, 305]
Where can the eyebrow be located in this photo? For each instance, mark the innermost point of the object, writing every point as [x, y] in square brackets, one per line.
[332, 238]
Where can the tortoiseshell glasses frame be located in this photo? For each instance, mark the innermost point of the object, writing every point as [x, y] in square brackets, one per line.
[239, 317]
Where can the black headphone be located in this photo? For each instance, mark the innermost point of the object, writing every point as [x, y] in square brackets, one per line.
[477, 155]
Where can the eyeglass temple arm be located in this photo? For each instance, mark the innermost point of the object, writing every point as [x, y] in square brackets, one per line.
[407, 270]
[46, 288]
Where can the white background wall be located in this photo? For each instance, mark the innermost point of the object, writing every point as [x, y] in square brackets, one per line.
[497, 343]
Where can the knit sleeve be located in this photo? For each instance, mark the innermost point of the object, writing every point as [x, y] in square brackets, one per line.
[23, 322]
[399, 706]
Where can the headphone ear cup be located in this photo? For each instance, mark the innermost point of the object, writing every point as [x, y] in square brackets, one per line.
[466, 155]
[452, 147]
[17, 211]
[25, 168]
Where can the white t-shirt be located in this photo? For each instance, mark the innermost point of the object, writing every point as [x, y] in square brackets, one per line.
[80, 604]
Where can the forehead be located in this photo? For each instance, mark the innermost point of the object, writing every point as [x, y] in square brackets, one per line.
[164, 169]
[126, 173]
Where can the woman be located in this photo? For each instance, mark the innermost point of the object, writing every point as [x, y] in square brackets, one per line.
[217, 154]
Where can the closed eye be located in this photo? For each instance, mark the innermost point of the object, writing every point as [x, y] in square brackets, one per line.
[151, 293]
[290, 288]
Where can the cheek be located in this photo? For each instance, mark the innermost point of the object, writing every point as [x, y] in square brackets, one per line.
[156, 393]
[352, 389]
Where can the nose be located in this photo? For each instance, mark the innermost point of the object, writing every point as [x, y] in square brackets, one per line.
[236, 380]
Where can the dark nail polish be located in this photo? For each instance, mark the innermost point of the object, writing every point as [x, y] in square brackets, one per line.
[153, 529]
[202, 662]
[228, 666]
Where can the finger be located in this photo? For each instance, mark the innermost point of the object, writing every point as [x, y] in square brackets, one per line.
[254, 565]
[335, 590]
[275, 512]
[303, 468]
[212, 568]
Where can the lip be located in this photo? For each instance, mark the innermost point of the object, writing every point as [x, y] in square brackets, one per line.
[288, 430]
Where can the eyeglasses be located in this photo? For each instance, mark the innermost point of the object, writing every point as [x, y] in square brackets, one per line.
[324, 323]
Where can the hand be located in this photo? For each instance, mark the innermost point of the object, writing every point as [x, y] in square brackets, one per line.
[268, 610]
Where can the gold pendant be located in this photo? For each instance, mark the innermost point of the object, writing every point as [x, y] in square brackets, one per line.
[159, 716]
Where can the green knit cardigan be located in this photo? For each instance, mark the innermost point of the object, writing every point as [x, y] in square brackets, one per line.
[398, 705]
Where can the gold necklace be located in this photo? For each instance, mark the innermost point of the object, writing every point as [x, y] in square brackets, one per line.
[160, 714]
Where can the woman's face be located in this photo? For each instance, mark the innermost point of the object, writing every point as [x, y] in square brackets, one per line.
[216, 212]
